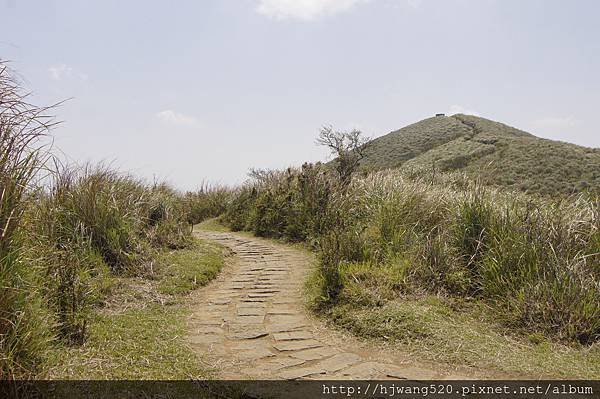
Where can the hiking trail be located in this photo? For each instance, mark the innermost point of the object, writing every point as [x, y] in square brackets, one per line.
[250, 323]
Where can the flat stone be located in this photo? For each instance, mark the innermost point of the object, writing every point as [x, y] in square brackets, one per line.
[255, 354]
[284, 346]
[315, 354]
[339, 362]
[284, 327]
[301, 372]
[281, 363]
[287, 319]
[252, 305]
[292, 335]
[248, 319]
[242, 331]
[245, 311]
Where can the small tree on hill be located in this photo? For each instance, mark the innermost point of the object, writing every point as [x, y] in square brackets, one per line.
[349, 148]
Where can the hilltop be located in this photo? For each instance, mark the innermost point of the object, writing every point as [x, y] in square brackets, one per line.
[496, 153]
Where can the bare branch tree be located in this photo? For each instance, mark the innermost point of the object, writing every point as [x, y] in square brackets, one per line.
[349, 148]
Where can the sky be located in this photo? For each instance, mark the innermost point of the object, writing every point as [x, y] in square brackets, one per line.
[202, 91]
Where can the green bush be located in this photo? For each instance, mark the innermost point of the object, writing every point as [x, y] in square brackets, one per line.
[93, 222]
[207, 202]
[535, 260]
[291, 204]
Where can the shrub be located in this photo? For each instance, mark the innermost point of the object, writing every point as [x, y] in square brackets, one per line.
[207, 202]
[92, 222]
[535, 260]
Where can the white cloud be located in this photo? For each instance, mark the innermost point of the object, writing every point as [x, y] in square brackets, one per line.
[555, 123]
[306, 10]
[63, 71]
[58, 72]
[459, 109]
[175, 118]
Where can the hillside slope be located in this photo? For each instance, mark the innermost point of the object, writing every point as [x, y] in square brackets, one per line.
[491, 151]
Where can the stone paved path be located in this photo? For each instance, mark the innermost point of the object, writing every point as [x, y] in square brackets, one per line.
[249, 323]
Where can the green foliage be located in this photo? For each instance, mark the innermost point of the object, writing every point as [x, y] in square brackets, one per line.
[62, 241]
[291, 204]
[387, 235]
[87, 225]
[495, 153]
[207, 202]
[24, 331]
[94, 207]
[471, 230]
[139, 331]
[237, 214]
[397, 147]
[92, 223]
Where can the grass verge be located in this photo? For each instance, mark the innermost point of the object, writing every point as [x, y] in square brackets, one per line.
[140, 331]
[464, 333]
[190, 268]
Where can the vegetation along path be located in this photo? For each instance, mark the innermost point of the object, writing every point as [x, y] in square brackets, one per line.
[250, 323]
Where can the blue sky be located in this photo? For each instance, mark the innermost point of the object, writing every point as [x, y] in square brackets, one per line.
[203, 90]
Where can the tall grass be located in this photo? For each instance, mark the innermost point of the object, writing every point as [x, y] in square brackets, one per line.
[91, 223]
[536, 261]
[288, 203]
[62, 240]
[207, 202]
[22, 126]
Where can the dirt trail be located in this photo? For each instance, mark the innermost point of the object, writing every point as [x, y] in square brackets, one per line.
[250, 323]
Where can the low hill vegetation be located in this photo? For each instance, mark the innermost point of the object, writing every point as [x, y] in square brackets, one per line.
[403, 259]
[496, 154]
[70, 233]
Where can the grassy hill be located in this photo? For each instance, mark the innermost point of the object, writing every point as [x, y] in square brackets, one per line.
[494, 152]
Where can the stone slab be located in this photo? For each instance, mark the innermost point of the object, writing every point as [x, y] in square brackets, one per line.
[339, 362]
[292, 335]
[284, 346]
[314, 354]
